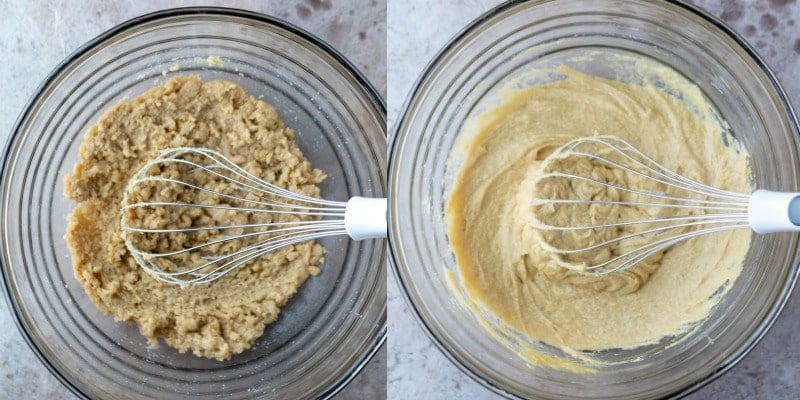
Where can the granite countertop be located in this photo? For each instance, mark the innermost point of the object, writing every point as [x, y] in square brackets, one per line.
[417, 369]
[37, 34]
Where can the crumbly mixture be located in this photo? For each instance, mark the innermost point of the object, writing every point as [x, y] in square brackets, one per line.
[502, 263]
[224, 317]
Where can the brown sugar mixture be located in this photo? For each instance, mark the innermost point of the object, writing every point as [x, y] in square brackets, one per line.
[215, 320]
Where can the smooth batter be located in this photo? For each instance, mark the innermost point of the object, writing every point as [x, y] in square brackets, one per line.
[501, 263]
[214, 320]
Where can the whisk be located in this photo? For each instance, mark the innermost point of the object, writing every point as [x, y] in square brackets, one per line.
[210, 216]
[601, 205]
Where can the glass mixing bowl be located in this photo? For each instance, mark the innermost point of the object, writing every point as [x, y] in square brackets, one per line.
[465, 78]
[328, 330]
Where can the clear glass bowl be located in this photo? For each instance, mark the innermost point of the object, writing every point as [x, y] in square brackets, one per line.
[328, 330]
[465, 77]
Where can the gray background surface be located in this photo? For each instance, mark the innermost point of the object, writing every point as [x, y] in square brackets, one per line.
[417, 369]
[35, 35]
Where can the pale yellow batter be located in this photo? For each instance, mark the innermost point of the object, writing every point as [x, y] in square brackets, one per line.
[501, 263]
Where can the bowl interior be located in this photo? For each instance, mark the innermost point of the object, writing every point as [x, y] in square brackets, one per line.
[327, 331]
[464, 80]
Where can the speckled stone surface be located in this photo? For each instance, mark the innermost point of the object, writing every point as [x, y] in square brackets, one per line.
[35, 35]
[417, 369]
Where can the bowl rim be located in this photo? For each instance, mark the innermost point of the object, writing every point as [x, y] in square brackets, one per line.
[134, 22]
[424, 77]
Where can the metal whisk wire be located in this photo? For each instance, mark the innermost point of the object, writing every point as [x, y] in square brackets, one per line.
[361, 218]
[711, 209]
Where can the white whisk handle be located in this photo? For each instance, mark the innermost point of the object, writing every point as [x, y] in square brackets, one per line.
[770, 211]
[365, 218]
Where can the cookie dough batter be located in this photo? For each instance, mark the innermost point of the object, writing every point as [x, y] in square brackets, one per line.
[215, 320]
[501, 263]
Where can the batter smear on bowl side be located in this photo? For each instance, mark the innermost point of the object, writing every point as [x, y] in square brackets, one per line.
[216, 320]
